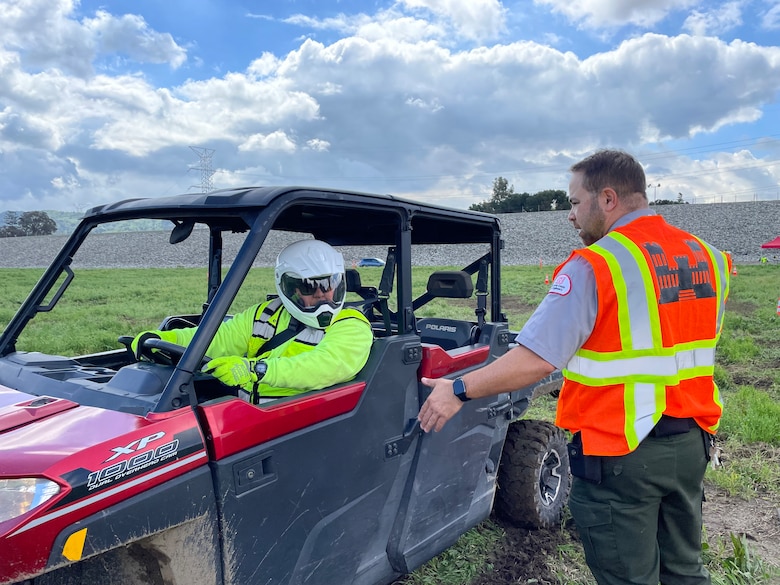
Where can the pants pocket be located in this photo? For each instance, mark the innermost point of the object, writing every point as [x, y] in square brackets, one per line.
[594, 524]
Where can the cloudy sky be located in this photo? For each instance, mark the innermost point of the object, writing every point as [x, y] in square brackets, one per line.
[427, 99]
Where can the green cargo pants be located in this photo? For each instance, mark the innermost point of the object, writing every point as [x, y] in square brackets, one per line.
[642, 524]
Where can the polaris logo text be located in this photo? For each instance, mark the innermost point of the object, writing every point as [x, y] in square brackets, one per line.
[447, 328]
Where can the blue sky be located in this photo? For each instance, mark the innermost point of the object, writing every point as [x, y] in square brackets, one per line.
[426, 99]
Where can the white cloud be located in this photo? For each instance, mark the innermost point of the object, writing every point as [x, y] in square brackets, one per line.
[395, 106]
[387, 24]
[129, 34]
[472, 19]
[277, 140]
[318, 145]
[431, 106]
[723, 178]
[714, 22]
[259, 16]
[612, 13]
[233, 109]
[770, 19]
[46, 35]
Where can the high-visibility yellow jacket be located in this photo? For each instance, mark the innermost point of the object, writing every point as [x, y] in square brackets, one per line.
[314, 358]
[661, 296]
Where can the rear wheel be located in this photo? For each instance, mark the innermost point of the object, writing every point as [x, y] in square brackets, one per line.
[533, 477]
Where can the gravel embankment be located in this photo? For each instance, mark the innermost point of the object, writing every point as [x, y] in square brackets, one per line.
[740, 228]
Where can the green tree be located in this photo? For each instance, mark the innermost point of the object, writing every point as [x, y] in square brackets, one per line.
[29, 223]
[505, 200]
[37, 223]
[558, 199]
[502, 194]
[10, 231]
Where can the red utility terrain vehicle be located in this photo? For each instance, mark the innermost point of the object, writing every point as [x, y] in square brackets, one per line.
[118, 471]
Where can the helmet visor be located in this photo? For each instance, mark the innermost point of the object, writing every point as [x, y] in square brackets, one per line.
[313, 292]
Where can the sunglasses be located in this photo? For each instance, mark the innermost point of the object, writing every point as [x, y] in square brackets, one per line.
[309, 286]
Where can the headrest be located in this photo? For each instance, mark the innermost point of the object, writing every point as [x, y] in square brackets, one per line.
[352, 277]
[450, 284]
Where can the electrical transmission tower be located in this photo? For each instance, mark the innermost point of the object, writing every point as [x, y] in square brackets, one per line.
[204, 166]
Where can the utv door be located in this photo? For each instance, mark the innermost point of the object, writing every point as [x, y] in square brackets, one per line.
[308, 487]
[453, 476]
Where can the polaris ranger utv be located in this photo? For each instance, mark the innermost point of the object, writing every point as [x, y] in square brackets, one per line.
[123, 471]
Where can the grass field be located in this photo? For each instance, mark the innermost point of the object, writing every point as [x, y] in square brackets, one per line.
[747, 372]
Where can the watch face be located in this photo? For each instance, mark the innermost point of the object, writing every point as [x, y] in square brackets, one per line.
[459, 388]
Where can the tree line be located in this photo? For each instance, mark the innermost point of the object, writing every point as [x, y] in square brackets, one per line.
[505, 200]
[29, 223]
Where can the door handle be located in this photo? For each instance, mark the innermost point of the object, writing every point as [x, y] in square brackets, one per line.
[400, 445]
[498, 408]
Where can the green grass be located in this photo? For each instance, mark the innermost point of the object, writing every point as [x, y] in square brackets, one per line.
[734, 564]
[747, 372]
[459, 565]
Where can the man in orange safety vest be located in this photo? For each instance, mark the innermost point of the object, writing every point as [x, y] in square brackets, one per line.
[632, 321]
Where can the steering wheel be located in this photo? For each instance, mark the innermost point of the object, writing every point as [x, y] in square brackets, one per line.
[159, 352]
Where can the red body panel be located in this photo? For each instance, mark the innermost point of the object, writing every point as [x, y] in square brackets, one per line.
[22, 413]
[237, 425]
[35, 446]
[99, 458]
[437, 362]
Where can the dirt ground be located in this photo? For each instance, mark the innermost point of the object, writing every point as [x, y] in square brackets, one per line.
[519, 561]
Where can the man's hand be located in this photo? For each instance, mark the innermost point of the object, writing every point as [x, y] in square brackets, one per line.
[232, 370]
[441, 405]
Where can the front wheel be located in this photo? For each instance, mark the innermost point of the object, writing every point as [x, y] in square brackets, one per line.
[533, 477]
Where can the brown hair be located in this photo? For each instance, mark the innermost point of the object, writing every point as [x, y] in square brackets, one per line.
[612, 168]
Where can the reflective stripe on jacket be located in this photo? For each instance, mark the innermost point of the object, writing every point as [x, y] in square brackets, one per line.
[661, 295]
[334, 354]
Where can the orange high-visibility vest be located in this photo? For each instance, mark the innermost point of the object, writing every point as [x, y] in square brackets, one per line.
[661, 296]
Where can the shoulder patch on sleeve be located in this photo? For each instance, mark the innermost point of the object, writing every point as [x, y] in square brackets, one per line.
[561, 285]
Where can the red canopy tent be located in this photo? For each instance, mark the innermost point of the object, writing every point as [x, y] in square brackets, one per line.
[772, 243]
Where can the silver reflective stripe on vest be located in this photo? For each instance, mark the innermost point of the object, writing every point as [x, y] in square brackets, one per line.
[645, 409]
[665, 369]
[641, 334]
[310, 336]
[719, 258]
[261, 327]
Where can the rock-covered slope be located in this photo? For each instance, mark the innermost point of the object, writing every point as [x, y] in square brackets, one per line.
[740, 228]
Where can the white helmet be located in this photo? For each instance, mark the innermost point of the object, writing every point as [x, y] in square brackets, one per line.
[306, 273]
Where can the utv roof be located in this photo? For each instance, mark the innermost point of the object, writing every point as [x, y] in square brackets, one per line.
[371, 218]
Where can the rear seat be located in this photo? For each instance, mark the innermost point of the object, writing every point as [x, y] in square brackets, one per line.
[446, 333]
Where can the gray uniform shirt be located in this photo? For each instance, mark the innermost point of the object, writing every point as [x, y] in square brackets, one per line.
[564, 319]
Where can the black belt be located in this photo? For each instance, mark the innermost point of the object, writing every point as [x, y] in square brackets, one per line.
[669, 425]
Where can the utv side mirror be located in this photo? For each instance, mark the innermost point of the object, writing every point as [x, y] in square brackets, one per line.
[181, 231]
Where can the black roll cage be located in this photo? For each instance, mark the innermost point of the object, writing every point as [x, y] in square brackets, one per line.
[341, 218]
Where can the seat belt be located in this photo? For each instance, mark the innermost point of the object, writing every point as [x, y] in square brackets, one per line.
[293, 328]
[386, 287]
[482, 292]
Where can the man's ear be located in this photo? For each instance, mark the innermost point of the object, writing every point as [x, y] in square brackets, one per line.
[609, 198]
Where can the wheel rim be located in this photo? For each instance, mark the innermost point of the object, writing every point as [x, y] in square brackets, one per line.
[550, 479]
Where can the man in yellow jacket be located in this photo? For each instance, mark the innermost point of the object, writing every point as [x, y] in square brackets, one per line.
[330, 344]
[632, 321]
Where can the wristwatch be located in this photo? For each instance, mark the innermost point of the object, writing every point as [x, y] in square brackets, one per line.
[260, 369]
[459, 389]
